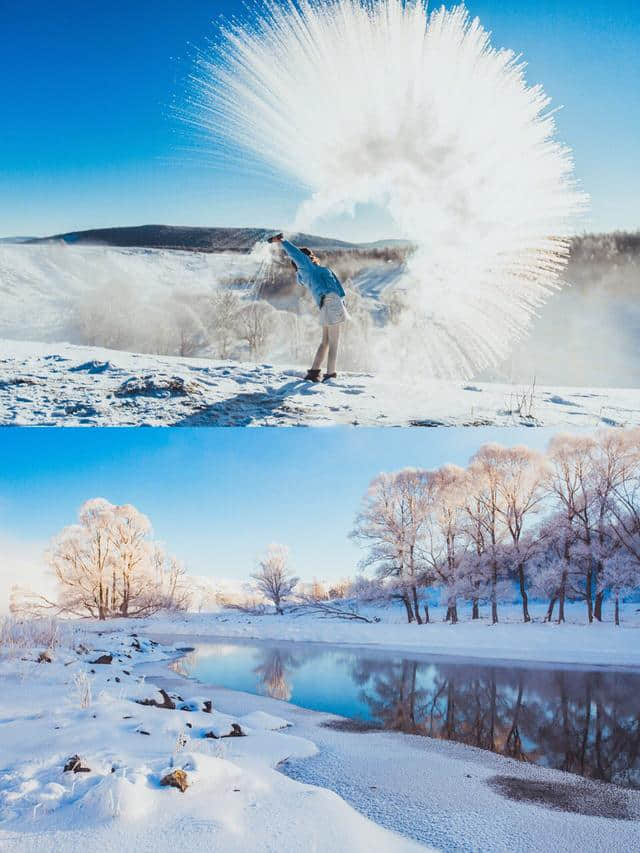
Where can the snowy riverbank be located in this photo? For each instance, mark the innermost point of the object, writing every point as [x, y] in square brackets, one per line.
[445, 795]
[75, 713]
[575, 642]
[58, 384]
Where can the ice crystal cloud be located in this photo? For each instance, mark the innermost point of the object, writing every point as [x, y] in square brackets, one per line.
[385, 103]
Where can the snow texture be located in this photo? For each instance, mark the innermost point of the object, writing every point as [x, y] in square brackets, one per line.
[338, 790]
[235, 800]
[59, 384]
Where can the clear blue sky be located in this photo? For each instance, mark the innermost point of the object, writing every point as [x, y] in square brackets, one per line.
[88, 136]
[218, 497]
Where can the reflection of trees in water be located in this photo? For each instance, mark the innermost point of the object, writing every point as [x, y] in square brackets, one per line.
[583, 722]
[184, 665]
[272, 671]
[391, 693]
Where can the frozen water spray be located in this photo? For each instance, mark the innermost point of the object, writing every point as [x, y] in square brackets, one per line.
[384, 103]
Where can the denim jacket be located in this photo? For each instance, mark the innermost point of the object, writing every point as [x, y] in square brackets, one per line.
[319, 280]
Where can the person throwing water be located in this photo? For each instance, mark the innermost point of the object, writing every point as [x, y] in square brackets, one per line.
[328, 294]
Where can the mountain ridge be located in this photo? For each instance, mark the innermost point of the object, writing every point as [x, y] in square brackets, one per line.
[194, 238]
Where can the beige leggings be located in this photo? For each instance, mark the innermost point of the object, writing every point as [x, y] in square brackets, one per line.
[330, 341]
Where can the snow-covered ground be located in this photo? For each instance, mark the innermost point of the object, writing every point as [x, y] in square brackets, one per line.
[235, 800]
[573, 642]
[61, 384]
[445, 795]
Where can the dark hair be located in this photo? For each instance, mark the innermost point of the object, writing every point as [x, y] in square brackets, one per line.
[309, 254]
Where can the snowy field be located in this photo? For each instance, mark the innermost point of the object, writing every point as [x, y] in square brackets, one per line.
[65, 385]
[75, 712]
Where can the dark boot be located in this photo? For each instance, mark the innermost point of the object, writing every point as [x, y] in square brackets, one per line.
[312, 375]
[329, 376]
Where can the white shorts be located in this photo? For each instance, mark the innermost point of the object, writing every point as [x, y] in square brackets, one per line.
[333, 311]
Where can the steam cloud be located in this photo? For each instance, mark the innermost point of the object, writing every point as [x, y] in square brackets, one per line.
[383, 103]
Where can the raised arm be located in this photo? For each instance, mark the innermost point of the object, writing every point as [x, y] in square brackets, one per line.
[301, 260]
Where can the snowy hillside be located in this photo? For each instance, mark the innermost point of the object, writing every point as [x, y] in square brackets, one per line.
[60, 384]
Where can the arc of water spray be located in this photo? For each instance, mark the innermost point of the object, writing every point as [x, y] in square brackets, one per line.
[381, 102]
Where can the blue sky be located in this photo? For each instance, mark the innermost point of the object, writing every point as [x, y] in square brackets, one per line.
[218, 497]
[89, 137]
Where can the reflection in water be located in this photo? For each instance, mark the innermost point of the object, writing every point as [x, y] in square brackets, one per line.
[272, 672]
[582, 721]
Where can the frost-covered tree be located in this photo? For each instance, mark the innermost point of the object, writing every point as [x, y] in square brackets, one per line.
[391, 523]
[274, 579]
[255, 322]
[82, 560]
[571, 483]
[520, 491]
[220, 320]
[620, 573]
[187, 328]
[487, 511]
[444, 537]
[624, 506]
[107, 565]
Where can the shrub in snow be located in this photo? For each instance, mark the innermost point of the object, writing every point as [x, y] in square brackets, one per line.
[21, 634]
[82, 684]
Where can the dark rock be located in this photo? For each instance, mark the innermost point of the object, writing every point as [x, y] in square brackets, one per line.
[176, 779]
[102, 659]
[167, 701]
[236, 731]
[157, 386]
[74, 765]
[207, 706]
[44, 657]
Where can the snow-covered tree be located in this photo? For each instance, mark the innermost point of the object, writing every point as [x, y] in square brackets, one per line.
[107, 565]
[255, 322]
[187, 328]
[274, 579]
[391, 523]
[487, 511]
[620, 574]
[444, 538]
[520, 491]
[220, 320]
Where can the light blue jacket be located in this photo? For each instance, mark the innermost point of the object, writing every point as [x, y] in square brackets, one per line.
[319, 280]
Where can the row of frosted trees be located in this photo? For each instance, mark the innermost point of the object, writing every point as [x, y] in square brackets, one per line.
[563, 525]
